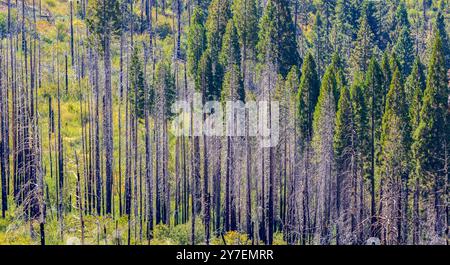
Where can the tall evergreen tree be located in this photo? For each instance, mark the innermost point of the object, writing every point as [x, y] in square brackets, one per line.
[327, 10]
[307, 97]
[165, 95]
[344, 28]
[196, 42]
[230, 53]
[394, 163]
[205, 78]
[374, 99]
[289, 213]
[341, 80]
[414, 88]
[369, 10]
[321, 44]
[362, 147]
[345, 153]
[165, 83]
[218, 15]
[431, 141]
[404, 50]
[308, 94]
[363, 50]
[277, 42]
[440, 26]
[399, 20]
[145, 95]
[323, 138]
[232, 88]
[245, 16]
[394, 63]
[387, 72]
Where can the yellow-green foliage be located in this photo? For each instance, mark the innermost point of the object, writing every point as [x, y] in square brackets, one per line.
[179, 235]
[232, 238]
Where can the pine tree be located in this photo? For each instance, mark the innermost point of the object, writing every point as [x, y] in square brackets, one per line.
[245, 16]
[103, 21]
[361, 117]
[440, 26]
[230, 53]
[321, 44]
[345, 153]
[387, 72]
[394, 163]
[308, 94]
[307, 97]
[277, 42]
[399, 20]
[385, 11]
[323, 137]
[196, 42]
[375, 101]
[341, 81]
[165, 96]
[218, 15]
[165, 83]
[344, 29]
[363, 50]
[289, 211]
[362, 146]
[144, 96]
[394, 63]
[292, 84]
[431, 141]
[368, 9]
[232, 90]
[205, 78]
[374, 81]
[327, 10]
[404, 49]
[414, 87]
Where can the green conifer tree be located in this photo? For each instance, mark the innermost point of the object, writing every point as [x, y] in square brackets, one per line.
[414, 87]
[277, 42]
[345, 153]
[323, 138]
[387, 72]
[344, 29]
[196, 42]
[219, 14]
[321, 44]
[404, 49]
[141, 97]
[394, 163]
[363, 50]
[307, 97]
[431, 140]
[230, 54]
[245, 16]
[440, 26]
[374, 94]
